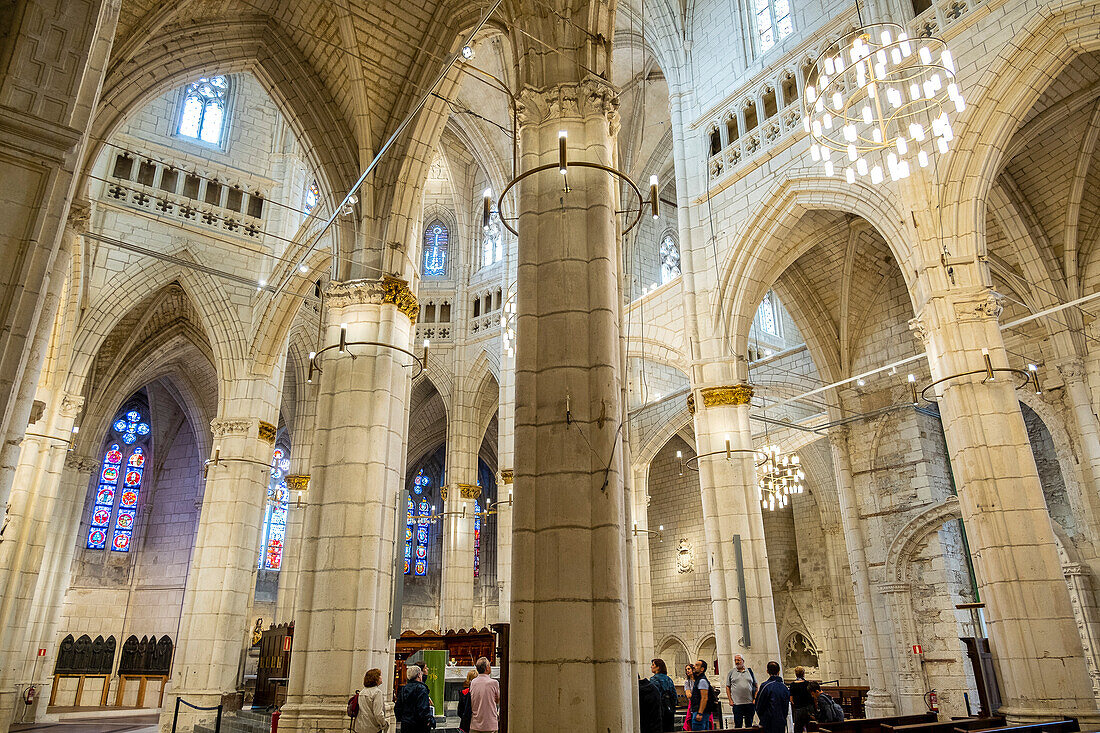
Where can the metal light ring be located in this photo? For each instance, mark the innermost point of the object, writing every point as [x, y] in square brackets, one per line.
[1012, 370]
[572, 164]
[843, 43]
[418, 361]
[899, 75]
[217, 461]
[761, 456]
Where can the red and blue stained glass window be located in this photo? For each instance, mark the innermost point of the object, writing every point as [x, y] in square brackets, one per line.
[417, 526]
[119, 485]
[278, 496]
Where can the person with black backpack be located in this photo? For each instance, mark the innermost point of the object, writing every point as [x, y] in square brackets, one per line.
[703, 699]
[414, 705]
[741, 691]
[826, 709]
[667, 689]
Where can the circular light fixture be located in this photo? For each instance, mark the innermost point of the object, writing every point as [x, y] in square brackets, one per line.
[467, 52]
[877, 102]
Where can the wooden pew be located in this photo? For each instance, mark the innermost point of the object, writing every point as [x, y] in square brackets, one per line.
[968, 724]
[1068, 725]
[874, 725]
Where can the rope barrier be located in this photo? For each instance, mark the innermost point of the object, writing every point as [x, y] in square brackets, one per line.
[181, 701]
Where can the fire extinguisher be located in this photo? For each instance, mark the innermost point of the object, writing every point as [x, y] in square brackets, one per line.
[29, 694]
[275, 720]
[933, 701]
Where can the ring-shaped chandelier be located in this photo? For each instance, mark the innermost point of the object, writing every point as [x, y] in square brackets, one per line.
[780, 477]
[877, 101]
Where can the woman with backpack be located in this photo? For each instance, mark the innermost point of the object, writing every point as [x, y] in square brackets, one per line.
[667, 688]
[465, 708]
[367, 705]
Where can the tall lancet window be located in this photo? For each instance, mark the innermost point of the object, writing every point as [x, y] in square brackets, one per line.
[436, 252]
[274, 532]
[416, 526]
[670, 259]
[492, 244]
[766, 315]
[486, 480]
[204, 105]
[114, 510]
[773, 21]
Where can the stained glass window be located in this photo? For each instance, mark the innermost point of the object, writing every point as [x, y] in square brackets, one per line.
[416, 526]
[436, 241]
[119, 478]
[773, 21]
[203, 113]
[766, 317]
[313, 195]
[670, 259]
[278, 496]
[492, 244]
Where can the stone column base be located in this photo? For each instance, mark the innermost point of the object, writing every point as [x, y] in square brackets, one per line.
[1088, 719]
[317, 717]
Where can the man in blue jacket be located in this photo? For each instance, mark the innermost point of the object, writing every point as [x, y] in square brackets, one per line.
[772, 702]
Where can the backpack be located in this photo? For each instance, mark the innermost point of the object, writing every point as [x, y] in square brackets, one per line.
[353, 705]
[830, 709]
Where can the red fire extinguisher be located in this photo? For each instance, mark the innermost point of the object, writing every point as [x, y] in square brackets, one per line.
[933, 701]
[275, 720]
[29, 694]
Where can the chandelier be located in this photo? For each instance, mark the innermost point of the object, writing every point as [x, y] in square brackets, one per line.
[780, 477]
[877, 100]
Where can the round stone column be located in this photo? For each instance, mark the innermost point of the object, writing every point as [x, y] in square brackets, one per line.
[346, 569]
[641, 574]
[744, 623]
[879, 701]
[462, 491]
[1078, 399]
[1034, 639]
[221, 579]
[570, 634]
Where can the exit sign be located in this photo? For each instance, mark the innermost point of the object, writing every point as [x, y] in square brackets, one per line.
[917, 649]
[286, 643]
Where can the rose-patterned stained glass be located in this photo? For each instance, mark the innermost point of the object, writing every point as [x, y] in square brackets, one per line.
[274, 531]
[417, 531]
[114, 510]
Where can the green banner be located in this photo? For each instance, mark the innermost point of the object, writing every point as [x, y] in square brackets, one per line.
[436, 661]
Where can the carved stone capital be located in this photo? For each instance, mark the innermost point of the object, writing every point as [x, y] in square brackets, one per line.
[691, 403]
[1072, 370]
[391, 290]
[469, 491]
[838, 436]
[71, 405]
[267, 432]
[737, 394]
[507, 476]
[80, 216]
[579, 100]
[983, 305]
[919, 329]
[81, 464]
[221, 428]
[297, 482]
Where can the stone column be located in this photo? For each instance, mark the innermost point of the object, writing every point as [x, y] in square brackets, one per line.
[504, 545]
[287, 601]
[1078, 399]
[1083, 600]
[879, 701]
[570, 612]
[845, 637]
[56, 573]
[1032, 631]
[55, 58]
[909, 676]
[28, 526]
[731, 508]
[641, 573]
[345, 587]
[463, 442]
[221, 578]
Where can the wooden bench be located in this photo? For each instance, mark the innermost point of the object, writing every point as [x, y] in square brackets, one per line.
[1068, 725]
[968, 724]
[874, 725]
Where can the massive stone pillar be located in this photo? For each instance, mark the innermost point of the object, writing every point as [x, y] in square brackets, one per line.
[1078, 399]
[570, 616]
[345, 584]
[1033, 636]
[29, 527]
[221, 578]
[879, 701]
[55, 56]
[506, 421]
[463, 442]
[743, 622]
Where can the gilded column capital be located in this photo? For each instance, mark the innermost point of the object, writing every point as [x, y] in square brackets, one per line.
[386, 290]
[507, 476]
[691, 403]
[267, 432]
[733, 395]
[221, 428]
[469, 491]
[577, 100]
[297, 482]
